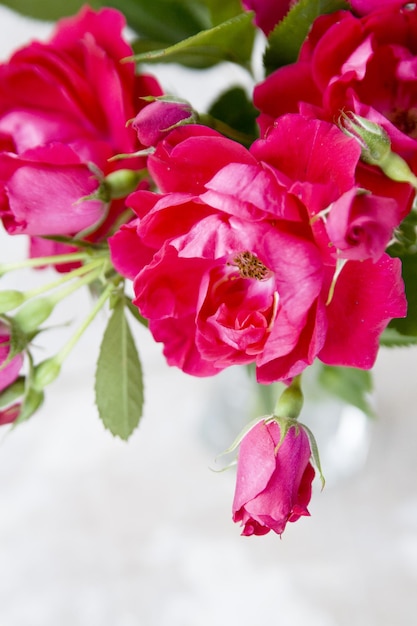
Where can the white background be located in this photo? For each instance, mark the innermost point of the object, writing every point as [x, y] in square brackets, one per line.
[97, 532]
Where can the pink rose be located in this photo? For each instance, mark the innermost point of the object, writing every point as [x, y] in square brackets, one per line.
[268, 12]
[9, 372]
[190, 155]
[273, 483]
[239, 269]
[367, 65]
[64, 105]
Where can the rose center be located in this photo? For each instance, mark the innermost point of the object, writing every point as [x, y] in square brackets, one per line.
[250, 266]
[405, 121]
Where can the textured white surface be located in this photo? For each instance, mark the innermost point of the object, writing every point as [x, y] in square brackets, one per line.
[96, 532]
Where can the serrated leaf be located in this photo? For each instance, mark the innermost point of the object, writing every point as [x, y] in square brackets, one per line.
[230, 41]
[349, 384]
[285, 41]
[118, 385]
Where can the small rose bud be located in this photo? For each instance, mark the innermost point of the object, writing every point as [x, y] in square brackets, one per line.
[33, 314]
[118, 184]
[373, 139]
[45, 373]
[10, 299]
[159, 117]
[376, 147]
[274, 476]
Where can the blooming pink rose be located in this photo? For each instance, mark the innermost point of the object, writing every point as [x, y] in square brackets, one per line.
[190, 155]
[273, 483]
[268, 12]
[57, 181]
[9, 372]
[64, 105]
[367, 65]
[239, 269]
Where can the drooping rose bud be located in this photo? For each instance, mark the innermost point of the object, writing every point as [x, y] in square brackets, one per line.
[158, 118]
[273, 484]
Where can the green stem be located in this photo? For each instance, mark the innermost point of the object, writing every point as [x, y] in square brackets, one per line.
[225, 129]
[45, 260]
[291, 400]
[85, 280]
[66, 349]
[84, 269]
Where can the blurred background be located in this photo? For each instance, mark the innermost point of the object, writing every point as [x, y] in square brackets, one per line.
[96, 531]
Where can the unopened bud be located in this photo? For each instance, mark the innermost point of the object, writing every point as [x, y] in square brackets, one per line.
[159, 117]
[376, 148]
[33, 314]
[373, 140]
[118, 184]
[45, 373]
[10, 299]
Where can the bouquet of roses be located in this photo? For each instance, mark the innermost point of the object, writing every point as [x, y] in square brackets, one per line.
[275, 230]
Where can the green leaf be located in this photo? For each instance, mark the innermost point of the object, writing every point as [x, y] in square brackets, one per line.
[349, 384]
[164, 21]
[49, 10]
[391, 338]
[220, 11]
[119, 386]
[230, 41]
[408, 325]
[234, 108]
[285, 41]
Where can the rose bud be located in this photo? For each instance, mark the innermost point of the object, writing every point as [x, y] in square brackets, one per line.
[273, 484]
[158, 118]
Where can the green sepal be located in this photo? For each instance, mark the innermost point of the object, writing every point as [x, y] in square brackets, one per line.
[19, 340]
[118, 382]
[32, 401]
[314, 453]
[12, 393]
[230, 41]
[244, 432]
[285, 41]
